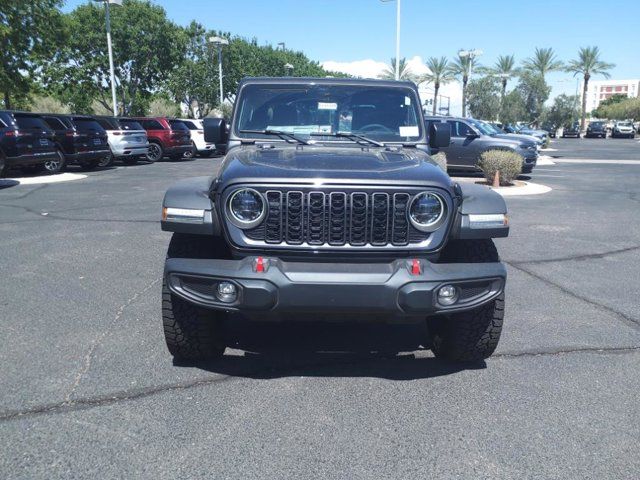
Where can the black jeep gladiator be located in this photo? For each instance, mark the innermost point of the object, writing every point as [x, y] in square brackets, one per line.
[327, 206]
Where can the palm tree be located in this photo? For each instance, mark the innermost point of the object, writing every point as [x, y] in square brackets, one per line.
[543, 61]
[505, 68]
[439, 74]
[389, 73]
[462, 67]
[588, 64]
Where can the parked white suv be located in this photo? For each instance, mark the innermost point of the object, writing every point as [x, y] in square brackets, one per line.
[197, 138]
[127, 139]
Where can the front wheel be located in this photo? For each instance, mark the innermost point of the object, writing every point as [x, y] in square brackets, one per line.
[473, 335]
[56, 165]
[191, 333]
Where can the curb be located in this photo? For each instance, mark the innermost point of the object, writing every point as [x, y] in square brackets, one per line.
[61, 177]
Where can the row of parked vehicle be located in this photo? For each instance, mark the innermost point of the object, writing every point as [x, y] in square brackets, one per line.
[600, 129]
[471, 137]
[49, 142]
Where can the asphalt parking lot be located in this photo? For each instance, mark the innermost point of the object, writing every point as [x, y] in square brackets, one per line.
[89, 390]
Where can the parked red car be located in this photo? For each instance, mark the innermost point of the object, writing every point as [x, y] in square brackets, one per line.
[167, 137]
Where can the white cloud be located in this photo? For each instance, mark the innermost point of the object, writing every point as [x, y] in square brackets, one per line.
[370, 68]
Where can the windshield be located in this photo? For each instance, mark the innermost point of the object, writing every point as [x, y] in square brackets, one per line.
[624, 124]
[382, 113]
[130, 125]
[483, 127]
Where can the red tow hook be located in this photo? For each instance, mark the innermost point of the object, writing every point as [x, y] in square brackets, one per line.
[260, 265]
[416, 267]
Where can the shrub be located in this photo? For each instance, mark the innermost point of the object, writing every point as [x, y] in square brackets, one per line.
[507, 162]
[547, 142]
[161, 107]
[441, 159]
[41, 104]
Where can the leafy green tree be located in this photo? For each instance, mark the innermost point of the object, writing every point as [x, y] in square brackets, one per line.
[461, 68]
[245, 58]
[563, 111]
[194, 81]
[29, 31]
[389, 72]
[535, 92]
[513, 107]
[504, 69]
[544, 61]
[439, 75]
[629, 108]
[588, 64]
[484, 98]
[603, 108]
[146, 47]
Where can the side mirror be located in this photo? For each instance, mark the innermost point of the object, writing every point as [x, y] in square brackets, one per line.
[439, 135]
[215, 130]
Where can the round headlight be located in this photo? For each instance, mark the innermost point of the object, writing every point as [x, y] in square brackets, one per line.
[426, 211]
[246, 208]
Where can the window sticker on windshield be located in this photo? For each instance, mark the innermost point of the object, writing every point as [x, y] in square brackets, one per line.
[327, 106]
[407, 100]
[409, 131]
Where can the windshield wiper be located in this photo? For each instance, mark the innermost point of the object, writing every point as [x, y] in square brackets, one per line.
[280, 133]
[352, 136]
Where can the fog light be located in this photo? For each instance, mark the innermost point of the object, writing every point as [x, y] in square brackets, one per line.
[447, 295]
[227, 292]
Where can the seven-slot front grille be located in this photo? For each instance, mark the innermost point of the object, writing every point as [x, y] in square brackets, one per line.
[336, 218]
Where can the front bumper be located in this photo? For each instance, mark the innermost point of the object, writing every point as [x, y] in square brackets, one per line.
[391, 290]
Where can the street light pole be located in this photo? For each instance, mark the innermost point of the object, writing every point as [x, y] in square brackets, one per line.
[109, 48]
[219, 42]
[397, 69]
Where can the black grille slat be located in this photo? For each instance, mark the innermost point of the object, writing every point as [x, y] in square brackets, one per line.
[295, 218]
[337, 218]
[316, 218]
[379, 219]
[273, 222]
[400, 224]
[359, 216]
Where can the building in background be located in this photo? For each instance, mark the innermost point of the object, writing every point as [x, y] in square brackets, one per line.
[600, 90]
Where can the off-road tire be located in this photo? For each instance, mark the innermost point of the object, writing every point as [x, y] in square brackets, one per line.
[191, 333]
[473, 335]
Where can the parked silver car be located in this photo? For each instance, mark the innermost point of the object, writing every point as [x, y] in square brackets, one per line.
[622, 130]
[127, 139]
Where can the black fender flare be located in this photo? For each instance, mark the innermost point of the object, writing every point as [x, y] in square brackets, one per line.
[191, 194]
[479, 201]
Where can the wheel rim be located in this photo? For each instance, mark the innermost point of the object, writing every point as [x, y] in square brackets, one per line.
[54, 165]
[105, 161]
[154, 152]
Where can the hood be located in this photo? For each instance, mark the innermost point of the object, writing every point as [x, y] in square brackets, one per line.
[520, 137]
[291, 163]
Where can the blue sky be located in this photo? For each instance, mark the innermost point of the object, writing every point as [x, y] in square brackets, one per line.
[352, 30]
